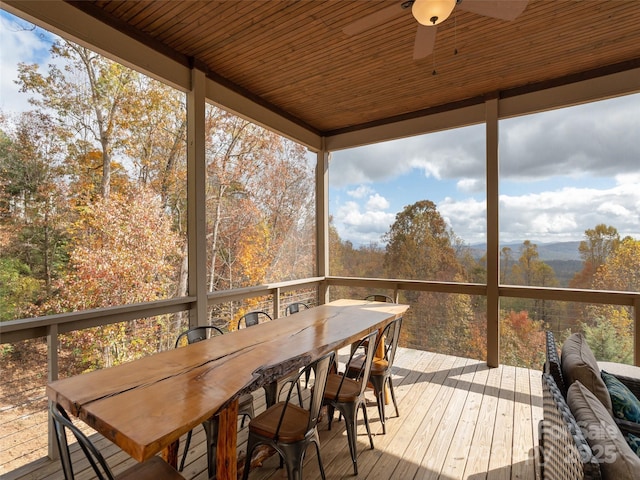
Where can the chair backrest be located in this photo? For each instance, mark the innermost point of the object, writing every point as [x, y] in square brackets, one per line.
[553, 365]
[252, 318]
[295, 308]
[321, 369]
[379, 298]
[364, 368]
[390, 336]
[197, 334]
[565, 450]
[62, 423]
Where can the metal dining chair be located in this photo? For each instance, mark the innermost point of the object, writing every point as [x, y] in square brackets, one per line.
[153, 469]
[347, 395]
[197, 334]
[295, 307]
[379, 298]
[253, 318]
[272, 391]
[245, 402]
[380, 374]
[289, 428]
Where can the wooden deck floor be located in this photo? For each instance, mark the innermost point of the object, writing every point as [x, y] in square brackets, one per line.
[458, 420]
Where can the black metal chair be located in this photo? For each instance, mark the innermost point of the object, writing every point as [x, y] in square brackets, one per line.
[288, 428]
[347, 395]
[153, 469]
[272, 390]
[295, 308]
[197, 334]
[291, 309]
[380, 374]
[245, 402]
[379, 298]
[253, 318]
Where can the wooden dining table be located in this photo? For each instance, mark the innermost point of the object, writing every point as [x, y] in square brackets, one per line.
[144, 406]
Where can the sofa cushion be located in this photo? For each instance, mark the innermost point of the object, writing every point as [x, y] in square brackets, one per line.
[624, 403]
[634, 442]
[610, 448]
[579, 363]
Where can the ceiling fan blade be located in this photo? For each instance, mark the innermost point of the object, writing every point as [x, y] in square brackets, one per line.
[501, 9]
[425, 41]
[373, 20]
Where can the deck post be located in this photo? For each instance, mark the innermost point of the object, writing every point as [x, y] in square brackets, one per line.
[493, 240]
[196, 211]
[52, 374]
[322, 221]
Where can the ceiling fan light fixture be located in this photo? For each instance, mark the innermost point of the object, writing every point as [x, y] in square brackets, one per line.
[432, 12]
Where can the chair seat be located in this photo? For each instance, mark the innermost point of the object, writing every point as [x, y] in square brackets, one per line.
[293, 428]
[348, 393]
[153, 469]
[378, 367]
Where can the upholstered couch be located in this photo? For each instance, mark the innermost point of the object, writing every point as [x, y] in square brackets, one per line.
[580, 435]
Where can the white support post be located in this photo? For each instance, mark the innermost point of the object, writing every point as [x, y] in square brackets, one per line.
[196, 211]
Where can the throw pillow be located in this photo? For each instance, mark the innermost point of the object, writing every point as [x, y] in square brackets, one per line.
[624, 403]
[579, 363]
[634, 442]
[609, 447]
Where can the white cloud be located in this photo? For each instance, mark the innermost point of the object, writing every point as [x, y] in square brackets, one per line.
[377, 202]
[470, 185]
[360, 192]
[363, 225]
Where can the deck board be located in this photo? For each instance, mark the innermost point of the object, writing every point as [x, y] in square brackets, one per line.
[458, 420]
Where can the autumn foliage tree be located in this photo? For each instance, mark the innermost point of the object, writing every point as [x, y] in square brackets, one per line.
[420, 246]
[124, 251]
[609, 328]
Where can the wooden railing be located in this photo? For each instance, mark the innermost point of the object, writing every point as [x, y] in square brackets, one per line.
[54, 325]
[16, 330]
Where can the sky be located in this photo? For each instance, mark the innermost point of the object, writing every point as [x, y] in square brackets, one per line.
[561, 172]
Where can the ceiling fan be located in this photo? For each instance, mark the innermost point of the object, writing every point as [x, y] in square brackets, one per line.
[430, 13]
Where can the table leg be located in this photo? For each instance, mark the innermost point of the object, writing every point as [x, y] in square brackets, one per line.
[170, 454]
[271, 393]
[226, 451]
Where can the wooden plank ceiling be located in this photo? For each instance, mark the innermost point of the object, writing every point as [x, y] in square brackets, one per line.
[293, 56]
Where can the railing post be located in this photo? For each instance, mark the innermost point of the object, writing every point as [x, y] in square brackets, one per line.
[276, 302]
[636, 331]
[52, 374]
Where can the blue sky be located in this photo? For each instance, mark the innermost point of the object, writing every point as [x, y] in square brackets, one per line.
[595, 147]
[562, 172]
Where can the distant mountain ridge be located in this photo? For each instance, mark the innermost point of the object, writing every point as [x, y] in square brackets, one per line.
[547, 251]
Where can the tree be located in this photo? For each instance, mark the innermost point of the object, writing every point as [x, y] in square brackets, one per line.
[124, 251]
[92, 114]
[420, 246]
[609, 328]
[260, 198]
[520, 340]
[600, 242]
[531, 271]
[506, 265]
[34, 197]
